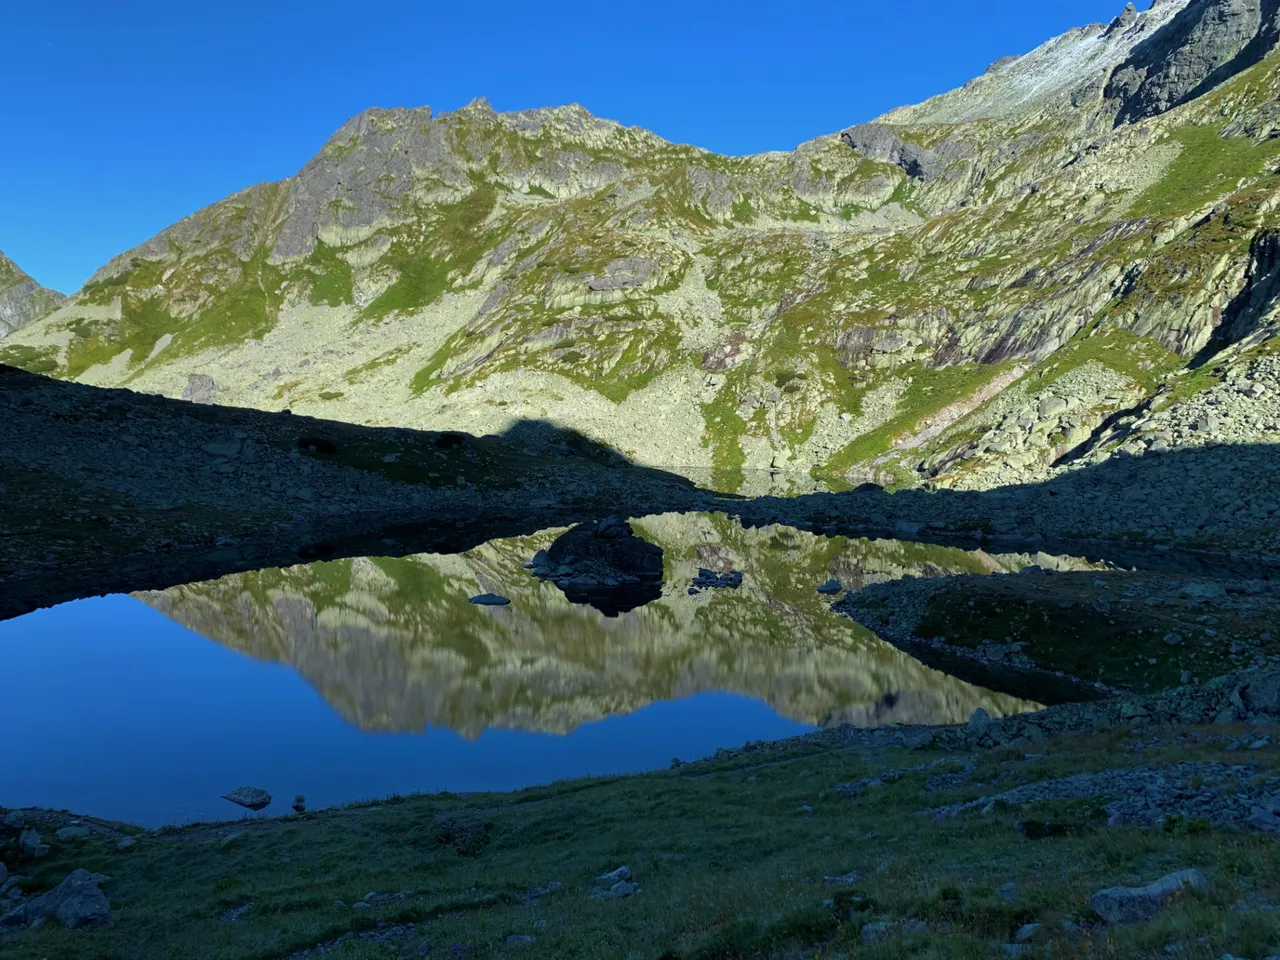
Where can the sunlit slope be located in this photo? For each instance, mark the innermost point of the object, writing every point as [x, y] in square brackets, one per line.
[1072, 227]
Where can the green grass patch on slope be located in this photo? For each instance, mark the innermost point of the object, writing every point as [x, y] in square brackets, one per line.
[454, 243]
[1209, 166]
[930, 390]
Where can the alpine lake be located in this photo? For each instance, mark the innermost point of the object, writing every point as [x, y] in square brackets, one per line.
[361, 679]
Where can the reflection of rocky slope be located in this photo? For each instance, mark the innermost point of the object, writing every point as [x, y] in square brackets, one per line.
[965, 291]
[394, 644]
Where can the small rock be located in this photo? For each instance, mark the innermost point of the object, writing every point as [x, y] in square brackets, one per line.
[875, 932]
[1136, 904]
[253, 798]
[519, 940]
[360, 905]
[73, 833]
[830, 588]
[490, 600]
[1173, 639]
[1027, 932]
[14, 820]
[1009, 891]
[614, 876]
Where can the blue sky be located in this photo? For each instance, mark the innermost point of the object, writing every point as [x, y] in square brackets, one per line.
[123, 118]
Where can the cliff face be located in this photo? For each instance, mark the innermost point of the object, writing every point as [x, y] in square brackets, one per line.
[22, 300]
[1079, 224]
[394, 643]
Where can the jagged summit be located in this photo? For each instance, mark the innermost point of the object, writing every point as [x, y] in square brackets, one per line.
[22, 300]
[1068, 70]
[1205, 44]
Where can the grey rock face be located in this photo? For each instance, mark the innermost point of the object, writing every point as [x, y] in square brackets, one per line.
[75, 903]
[877, 141]
[1208, 42]
[1136, 904]
[22, 300]
[199, 388]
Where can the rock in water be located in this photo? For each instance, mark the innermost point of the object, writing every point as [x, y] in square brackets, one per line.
[605, 565]
[251, 797]
[1136, 904]
[490, 600]
[75, 903]
[299, 804]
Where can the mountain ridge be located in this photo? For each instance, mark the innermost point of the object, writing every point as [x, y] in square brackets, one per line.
[870, 305]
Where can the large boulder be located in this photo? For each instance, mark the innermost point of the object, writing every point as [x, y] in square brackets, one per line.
[605, 565]
[75, 903]
[1137, 904]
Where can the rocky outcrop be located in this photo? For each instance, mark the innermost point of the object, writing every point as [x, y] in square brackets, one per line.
[1207, 43]
[876, 141]
[22, 300]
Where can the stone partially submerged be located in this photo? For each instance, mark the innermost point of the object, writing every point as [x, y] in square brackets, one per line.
[604, 565]
[252, 798]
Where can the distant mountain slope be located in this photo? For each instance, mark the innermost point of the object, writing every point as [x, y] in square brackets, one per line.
[22, 300]
[991, 285]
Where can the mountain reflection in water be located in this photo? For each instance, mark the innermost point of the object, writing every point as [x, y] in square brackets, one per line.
[393, 643]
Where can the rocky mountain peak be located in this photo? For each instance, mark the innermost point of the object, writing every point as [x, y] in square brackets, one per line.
[1205, 44]
[22, 300]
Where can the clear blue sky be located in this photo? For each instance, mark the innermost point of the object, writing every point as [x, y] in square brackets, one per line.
[123, 118]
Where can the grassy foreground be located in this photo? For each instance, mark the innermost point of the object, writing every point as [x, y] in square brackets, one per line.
[753, 853]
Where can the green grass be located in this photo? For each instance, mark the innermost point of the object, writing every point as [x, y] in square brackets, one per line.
[724, 431]
[728, 865]
[31, 359]
[1085, 625]
[330, 276]
[931, 390]
[1208, 167]
[453, 244]
[1141, 359]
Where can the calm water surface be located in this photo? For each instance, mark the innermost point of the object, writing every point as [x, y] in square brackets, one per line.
[357, 679]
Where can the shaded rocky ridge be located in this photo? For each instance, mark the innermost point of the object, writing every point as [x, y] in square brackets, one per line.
[791, 310]
[393, 644]
[22, 300]
[93, 480]
[1207, 43]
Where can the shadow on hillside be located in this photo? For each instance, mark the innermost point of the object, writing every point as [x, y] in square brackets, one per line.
[1194, 495]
